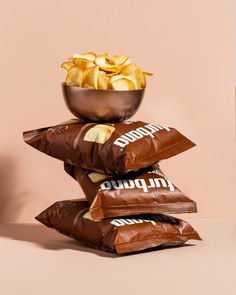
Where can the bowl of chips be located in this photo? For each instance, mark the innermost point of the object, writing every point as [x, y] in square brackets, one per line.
[103, 88]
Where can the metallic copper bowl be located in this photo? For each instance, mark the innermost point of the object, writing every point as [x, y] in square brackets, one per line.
[102, 105]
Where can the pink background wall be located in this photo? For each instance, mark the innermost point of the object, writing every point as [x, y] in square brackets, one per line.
[189, 45]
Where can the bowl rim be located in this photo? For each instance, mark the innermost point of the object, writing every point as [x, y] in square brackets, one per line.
[100, 90]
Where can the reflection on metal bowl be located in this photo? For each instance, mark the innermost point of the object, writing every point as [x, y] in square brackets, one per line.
[102, 105]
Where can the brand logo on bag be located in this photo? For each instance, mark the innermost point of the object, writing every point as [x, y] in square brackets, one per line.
[123, 222]
[133, 135]
[138, 183]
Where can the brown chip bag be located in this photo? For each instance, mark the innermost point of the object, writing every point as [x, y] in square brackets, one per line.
[113, 148]
[120, 235]
[143, 192]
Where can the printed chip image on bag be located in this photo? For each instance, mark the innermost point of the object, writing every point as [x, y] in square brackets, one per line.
[144, 192]
[120, 235]
[116, 148]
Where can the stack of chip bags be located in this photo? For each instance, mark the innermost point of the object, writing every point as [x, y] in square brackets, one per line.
[116, 164]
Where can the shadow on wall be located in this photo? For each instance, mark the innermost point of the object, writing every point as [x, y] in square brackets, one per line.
[11, 200]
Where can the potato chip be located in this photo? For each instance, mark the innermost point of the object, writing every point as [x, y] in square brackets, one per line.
[109, 59]
[67, 65]
[104, 72]
[121, 82]
[148, 73]
[90, 56]
[142, 79]
[126, 62]
[83, 63]
[90, 77]
[103, 80]
[136, 75]
[107, 63]
[74, 76]
[109, 74]
[87, 86]
[118, 60]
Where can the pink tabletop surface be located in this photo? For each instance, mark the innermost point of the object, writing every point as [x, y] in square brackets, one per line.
[37, 260]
